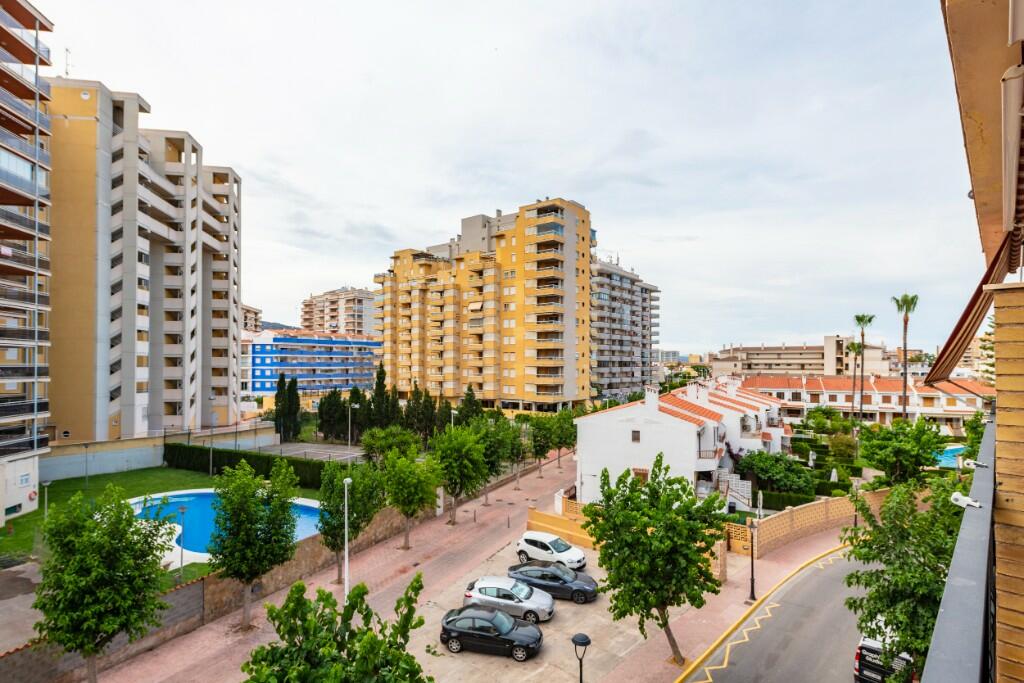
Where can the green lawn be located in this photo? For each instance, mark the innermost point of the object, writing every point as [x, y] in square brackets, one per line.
[134, 483]
[191, 572]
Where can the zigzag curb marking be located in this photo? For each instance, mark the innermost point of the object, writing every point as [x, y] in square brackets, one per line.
[696, 663]
[745, 639]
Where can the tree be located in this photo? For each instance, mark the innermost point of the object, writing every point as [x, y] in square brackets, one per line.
[469, 409]
[541, 439]
[443, 417]
[102, 577]
[331, 415]
[377, 442]
[857, 349]
[317, 642]
[254, 527]
[905, 305]
[902, 450]
[460, 460]
[365, 499]
[987, 363]
[974, 428]
[564, 432]
[394, 407]
[906, 553]
[776, 472]
[281, 405]
[294, 418]
[410, 485]
[501, 444]
[380, 398]
[843, 446]
[863, 321]
[656, 540]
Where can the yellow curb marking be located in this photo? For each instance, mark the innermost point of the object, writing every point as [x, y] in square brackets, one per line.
[696, 663]
[739, 641]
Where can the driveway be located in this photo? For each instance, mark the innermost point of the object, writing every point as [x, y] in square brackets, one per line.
[803, 632]
[17, 593]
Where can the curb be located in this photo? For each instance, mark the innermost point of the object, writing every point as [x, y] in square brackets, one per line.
[696, 664]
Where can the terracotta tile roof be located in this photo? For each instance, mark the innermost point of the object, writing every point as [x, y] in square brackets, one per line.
[766, 436]
[787, 429]
[681, 415]
[836, 383]
[889, 385]
[676, 401]
[814, 384]
[757, 396]
[970, 385]
[773, 382]
[608, 410]
[718, 398]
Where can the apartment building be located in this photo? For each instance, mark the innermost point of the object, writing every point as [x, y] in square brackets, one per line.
[146, 298]
[252, 319]
[318, 361]
[832, 357]
[348, 310]
[624, 327]
[502, 308]
[25, 251]
[946, 403]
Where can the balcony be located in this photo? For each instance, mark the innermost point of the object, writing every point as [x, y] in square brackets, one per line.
[20, 145]
[22, 297]
[24, 334]
[21, 79]
[21, 41]
[19, 407]
[17, 189]
[17, 115]
[22, 444]
[23, 372]
[14, 225]
[17, 262]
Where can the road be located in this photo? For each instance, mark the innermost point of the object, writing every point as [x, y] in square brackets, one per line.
[803, 632]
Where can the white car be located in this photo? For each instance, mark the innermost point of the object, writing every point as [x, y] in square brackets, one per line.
[539, 545]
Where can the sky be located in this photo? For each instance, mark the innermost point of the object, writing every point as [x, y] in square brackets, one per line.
[775, 168]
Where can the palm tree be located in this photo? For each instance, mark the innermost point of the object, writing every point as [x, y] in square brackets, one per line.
[862, 320]
[905, 304]
[857, 349]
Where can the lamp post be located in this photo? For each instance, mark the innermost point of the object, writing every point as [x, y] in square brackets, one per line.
[211, 456]
[580, 642]
[454, 411]
[46, 498]
[348, 482]
[350, 423]
[181, 545]
[856, 489]
[753, 528]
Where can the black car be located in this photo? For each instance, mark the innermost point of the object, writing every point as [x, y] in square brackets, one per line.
[868, 666]
[490, 630]
[557, 579]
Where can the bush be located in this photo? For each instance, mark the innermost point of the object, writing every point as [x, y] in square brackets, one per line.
[843, 446]
[855, 470]
[776, 472]
[828, 488]
[838, 493]
[801, 448]
[182, 456]
[773, 500]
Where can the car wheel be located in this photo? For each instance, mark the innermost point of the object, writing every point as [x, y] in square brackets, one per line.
[519, 653]
[531, 617]
[454, 645]
[523, 557]
[579, 597]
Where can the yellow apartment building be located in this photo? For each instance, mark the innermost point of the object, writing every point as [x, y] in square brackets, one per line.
[503, 308]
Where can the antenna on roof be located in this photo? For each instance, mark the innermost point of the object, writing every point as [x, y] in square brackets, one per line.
[67, 61]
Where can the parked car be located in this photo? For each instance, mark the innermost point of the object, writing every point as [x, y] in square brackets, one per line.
[509, 595]
[556, 579]
[539, 545]
[867, 662]
[486, 629]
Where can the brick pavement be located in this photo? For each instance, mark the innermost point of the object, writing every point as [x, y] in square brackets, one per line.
[216, 651]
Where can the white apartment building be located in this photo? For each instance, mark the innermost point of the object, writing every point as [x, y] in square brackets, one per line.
[623, 328]
[252, 319]
[347, 310]
[147, 305]
[832, 357]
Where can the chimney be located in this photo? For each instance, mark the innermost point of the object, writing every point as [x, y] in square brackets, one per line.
[651, 398]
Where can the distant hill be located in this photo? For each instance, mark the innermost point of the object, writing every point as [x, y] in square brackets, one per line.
[277, 326]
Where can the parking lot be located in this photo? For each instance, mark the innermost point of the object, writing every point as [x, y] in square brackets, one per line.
[611, 641]
[316, 451]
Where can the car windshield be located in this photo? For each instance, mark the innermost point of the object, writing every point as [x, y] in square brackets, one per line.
[563, 573]
[503, 622]
[521, 590]
[559, 546]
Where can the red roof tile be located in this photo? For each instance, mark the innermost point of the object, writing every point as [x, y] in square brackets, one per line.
[681, 415]
[714, 395]
[681, 403]
[766, 436]
[757, 396]
[773, 382]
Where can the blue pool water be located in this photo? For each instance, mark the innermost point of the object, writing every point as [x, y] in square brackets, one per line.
[947, 458]
[199, 517]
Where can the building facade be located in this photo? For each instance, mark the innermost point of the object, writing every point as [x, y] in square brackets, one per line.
[147, 311]
[318, 361]
[252, 319]
[348, 310]
[25, 255]
[503, 308]
[832, 357]
[624, 327]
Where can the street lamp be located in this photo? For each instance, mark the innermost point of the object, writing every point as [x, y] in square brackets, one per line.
[350, 423]
[181, 545]
[856, 489]
[348, 482]
[581, 640]
[753, 528]
[211, 456]
[46, 498]
[453, 417]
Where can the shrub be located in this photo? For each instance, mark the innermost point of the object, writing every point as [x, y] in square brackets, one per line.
[838, 493]
[773, 500]
[855, 470]
[843, 446]
[828, 488]
[777, 472]
[182, 456]
[801, 448]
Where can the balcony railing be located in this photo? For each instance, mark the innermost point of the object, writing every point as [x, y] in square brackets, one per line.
[708, 455]
[24, 146]
[26, 110]
[963, 643]
[23, 296]
[25, 73]
[24, 334]
[21, 220]
[25, 34]
[22, 407]
[23, 258]
[22, 183]
[12, 371]
[23, 443]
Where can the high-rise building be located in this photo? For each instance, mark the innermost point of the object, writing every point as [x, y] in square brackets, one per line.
[147, 312]
[624, 326]
[252, 319]
[348, 310]
[25, 251]
[832, 357]
[503, 308]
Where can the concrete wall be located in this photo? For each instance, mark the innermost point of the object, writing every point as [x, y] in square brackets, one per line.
[104, 457]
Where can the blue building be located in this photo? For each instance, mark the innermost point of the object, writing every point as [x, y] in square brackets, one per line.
[319, 362]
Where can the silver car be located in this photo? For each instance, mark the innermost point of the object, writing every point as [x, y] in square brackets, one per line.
[511, 596]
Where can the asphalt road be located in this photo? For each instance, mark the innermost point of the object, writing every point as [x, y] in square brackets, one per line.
[801, 633]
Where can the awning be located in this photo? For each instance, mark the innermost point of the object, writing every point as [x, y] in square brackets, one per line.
[972, 317]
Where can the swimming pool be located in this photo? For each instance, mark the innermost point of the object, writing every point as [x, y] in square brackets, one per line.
[199, 518]
[947, 458]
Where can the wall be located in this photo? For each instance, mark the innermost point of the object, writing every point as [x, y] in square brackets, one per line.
[103, 457]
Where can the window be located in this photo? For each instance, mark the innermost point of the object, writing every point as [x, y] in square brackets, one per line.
[508, 323]
[24, 479]
[831, 398]
[636, 436]
[143, 257]
[509, 306]
[508, 291]
[887, 399]
[508, 275]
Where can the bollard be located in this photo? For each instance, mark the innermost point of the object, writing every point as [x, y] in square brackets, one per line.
[508, 521]
[474, 516]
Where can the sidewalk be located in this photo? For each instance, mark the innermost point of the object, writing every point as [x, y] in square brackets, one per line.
[216, 651]
[696, 630]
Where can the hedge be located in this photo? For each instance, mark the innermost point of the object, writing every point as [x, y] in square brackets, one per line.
[773, 500]
[197, 458]
[825, 488]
